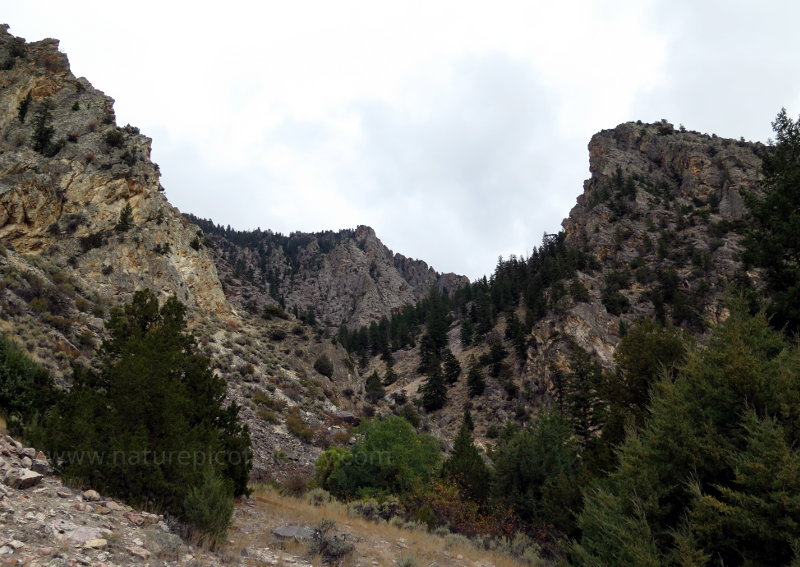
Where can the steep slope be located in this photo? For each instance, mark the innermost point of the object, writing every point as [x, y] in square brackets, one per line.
[662, 214]
[655, 234]
[84, 223]
[338, 278]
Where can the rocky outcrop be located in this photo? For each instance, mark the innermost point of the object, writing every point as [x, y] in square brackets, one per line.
[662, 213]
[348, 277]
[67, 172]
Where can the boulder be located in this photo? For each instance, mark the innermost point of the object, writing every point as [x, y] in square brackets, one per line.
[162, 544]
[300, 533]
[66, 530]
[91, 496]
[22, 479]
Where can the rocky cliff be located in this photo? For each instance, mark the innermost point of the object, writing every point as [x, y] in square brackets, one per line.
[84, 223]
[347, 277]
[662, 213]
[658, 229]
[67, 171]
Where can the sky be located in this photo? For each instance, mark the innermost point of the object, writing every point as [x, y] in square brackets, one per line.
[456, 129]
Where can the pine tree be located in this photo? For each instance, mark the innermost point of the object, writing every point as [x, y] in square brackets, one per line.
[466, 466]
[476, 383]
[125, 219]
[452, 368]
[153, 415]
[771, 241]
[713, 472]
[538, 473]
[373, 388]
[434, 391]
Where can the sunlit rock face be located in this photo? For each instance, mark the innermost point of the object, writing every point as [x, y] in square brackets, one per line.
[67, 171]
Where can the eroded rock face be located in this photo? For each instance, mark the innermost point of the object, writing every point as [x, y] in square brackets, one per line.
[348, 277]
[665, 208]
[67, 171]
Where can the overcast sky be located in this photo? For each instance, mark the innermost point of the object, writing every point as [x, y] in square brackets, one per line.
[456, 129]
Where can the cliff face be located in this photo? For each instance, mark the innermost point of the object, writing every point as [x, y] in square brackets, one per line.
[66, 174]
[657, 230]
[348, 277]
[662, 213]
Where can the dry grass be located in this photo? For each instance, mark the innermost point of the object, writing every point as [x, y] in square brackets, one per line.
[381, 543]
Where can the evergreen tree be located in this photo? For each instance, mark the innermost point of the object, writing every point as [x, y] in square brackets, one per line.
[43, 131]
[712, 476]
[373, 388]
[465, 466]
[26, 389]
[452, 368]
[538, 473]
[476, 383]
[434, 391]
[771, 242]
[153, 416]
[646, 353]
[585, 406]
[125, 219]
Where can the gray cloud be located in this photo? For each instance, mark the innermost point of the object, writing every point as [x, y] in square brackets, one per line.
[469, 172]
[730, 66]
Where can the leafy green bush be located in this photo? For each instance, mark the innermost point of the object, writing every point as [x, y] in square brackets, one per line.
[389, 457]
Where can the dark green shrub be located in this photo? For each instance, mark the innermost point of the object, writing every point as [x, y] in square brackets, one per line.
[209, 509]
[578, 291]
[115, 138]
[324, 366]
[25, 387]
[614, 302]
[94, 240]
[271, 311]
[373, 388]
[152, 417]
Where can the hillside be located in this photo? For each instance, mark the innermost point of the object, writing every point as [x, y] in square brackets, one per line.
[347, 277]
[84, 222]
[655, 235]
[313, 333]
